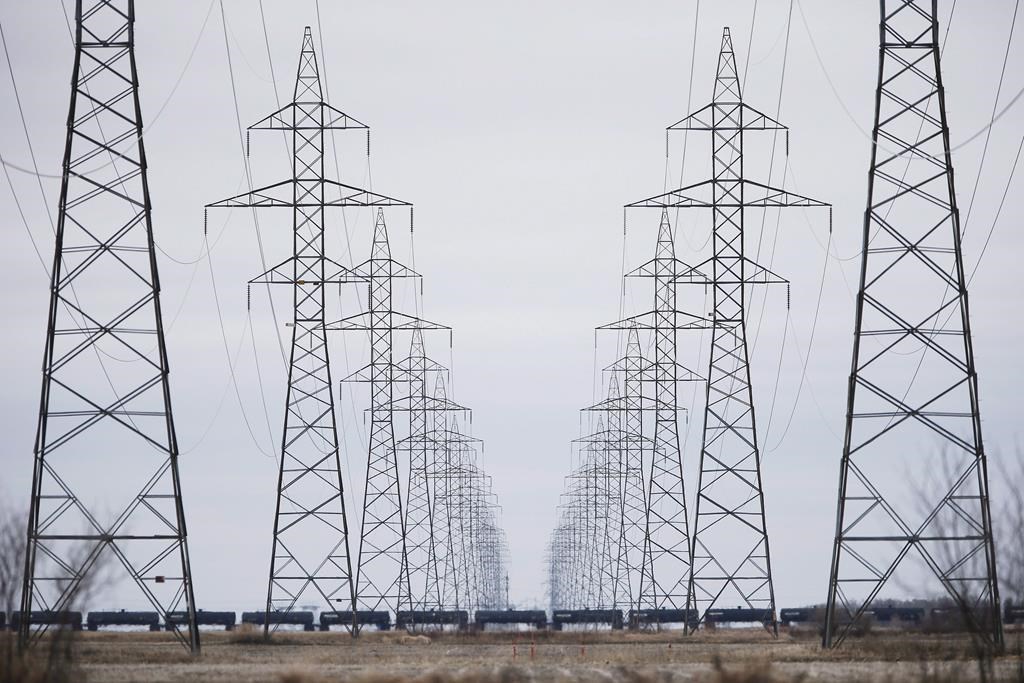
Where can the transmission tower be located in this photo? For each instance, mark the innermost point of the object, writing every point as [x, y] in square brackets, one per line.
[96, 416]
[419, 518]
[446, 525]
[913, 391]
[423, 541]
[731, 561]
[632, 366]
[310, 548]
[382, 578]
[618, 506]
[666, 552]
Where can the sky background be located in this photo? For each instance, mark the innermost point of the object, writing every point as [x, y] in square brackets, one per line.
[518, 130]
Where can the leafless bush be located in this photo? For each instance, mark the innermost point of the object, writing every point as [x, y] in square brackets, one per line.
[12, 558]
[968, 611]
[52, 660]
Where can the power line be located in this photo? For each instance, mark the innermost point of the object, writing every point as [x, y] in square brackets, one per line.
[167, 100]
[988, 129]
[248, 176]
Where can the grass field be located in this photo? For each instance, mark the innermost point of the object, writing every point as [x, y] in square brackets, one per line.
[735, 656]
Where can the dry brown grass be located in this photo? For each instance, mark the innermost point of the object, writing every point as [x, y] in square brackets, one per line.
[667, 657]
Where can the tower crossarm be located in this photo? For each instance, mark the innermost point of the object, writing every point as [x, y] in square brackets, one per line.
[429, 365]
[653, 320]
[293, 194]
[724, 115]
[283, 274]
[395, 321]
[644, 403]
[684, 271]
[427, 404]
[753, 274]
[647, 371]
[695, 196]
[390, 268]
[452, 436]
[298, 116]
[747, 194]
[402, 371]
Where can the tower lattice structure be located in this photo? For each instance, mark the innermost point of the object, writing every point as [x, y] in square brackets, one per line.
[105, 404]
[731, 562]
[446, 521]
[425, 540]
[383, 573]
[632, 367]
[665, 562]
[310, 556]
[913, 476]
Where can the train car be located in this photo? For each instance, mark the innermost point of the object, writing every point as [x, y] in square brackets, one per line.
[378, 618]
[225, 619]
[294, 618]
[97, 620]
[408, 619]
[536, 618]
[1013, 614]
[738, 615]
[612, 617]
[72, 620]
[886, 615]
[798, 615]
[657, 617]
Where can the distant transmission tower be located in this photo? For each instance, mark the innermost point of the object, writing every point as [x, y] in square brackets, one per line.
[913, 477]
[666, 553]
[419, 517]
[425, 538]
[382, 578]
[106, 437]
[633, 367]
[310, 544]
[730, 558]
[446, 519]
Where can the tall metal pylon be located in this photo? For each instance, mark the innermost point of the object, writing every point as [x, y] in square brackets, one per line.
[310, 557]
[447, 539]
[731, 562]
[382, 576]
[594, 505]
[913, 476]
[423, 540]
[666, 556]
[634, 499]
[419, 514]
[97, 416]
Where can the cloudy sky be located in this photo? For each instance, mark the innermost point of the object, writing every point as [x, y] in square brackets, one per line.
[519, 130]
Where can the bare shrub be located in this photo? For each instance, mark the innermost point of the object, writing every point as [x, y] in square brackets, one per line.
[52, 660]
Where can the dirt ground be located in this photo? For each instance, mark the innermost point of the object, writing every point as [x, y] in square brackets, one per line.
[747, 656]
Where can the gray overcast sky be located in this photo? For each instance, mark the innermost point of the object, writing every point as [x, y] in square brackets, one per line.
[519, 130]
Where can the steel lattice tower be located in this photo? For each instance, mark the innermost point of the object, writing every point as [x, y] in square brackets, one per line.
[730, 554]
[634, 499]
[913, 391]
[104, 303]
[382, 577]
[423, 542]
[446, 526]
[310, 549]
[666, 553]
[419, 517]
